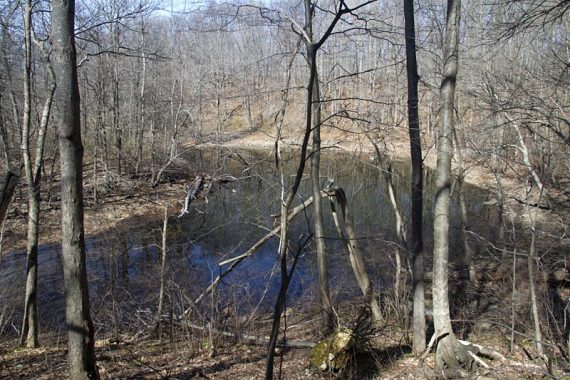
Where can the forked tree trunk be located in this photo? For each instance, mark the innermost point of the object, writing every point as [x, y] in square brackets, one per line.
[286, 201]
[33, 172]
[416, 236]
[287, 197]
[80, 334]
[446, 355]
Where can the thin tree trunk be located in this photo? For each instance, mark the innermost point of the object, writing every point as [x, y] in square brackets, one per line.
[116, 102]
[80, 333]
[95, 158]
[416, 236]
[532, 280]
[468, 266]
[29, 335]
[162, 273]
[513, 301]
[152, 151]
[447, 343]
[4, 136]
[249, 115]
[315, 107]
[140, 128]
[469, 254]
[387, 170]
[348, 234]
[287, 199]
[498, 173]
[7, 195]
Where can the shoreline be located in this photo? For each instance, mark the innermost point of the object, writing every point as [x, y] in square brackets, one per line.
[146, 205]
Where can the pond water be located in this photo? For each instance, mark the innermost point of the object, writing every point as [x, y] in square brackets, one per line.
[124, 266]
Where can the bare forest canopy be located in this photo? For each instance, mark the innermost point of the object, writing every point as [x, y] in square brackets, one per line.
[152, 78]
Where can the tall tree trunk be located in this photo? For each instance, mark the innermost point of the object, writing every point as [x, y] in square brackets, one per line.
[416, 236]
[29, 328]
[315, 108]
[116, 101]
[447, 343]
[142, 110]
[80, 334]
[286, 201]
[162, 274]
[29, 335]
[34, 177]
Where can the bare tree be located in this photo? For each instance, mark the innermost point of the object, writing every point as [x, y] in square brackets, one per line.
[449, 353]
[33, 172]
[80, 333]
[315, 108]
[289, 196]
[416, 237]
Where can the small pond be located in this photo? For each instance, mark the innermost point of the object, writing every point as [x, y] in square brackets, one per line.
[124, 266]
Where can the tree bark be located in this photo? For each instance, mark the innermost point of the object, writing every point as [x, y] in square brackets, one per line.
[416, 236]
[162, 273]
[446, 355]
[29, 335]
[286, 201]
[117, 129]
[30, 332]
[81, 353]
[348, 234]
[315, 107]
[7, 195]
[142, 110]
[287, 197]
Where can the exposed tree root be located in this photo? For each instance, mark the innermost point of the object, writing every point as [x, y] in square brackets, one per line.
[467, 358]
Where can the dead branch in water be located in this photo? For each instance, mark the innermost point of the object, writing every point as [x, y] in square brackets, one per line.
[234, 262]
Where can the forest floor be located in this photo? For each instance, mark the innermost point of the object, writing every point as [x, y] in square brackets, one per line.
[132, 201]
[186, 354]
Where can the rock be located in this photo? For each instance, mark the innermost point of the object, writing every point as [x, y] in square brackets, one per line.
[333, 353]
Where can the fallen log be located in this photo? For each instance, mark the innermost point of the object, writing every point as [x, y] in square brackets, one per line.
[253, 339]
[201, 187]
[194, 190]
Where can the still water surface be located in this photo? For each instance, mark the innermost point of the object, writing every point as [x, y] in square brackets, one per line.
[124, 266]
